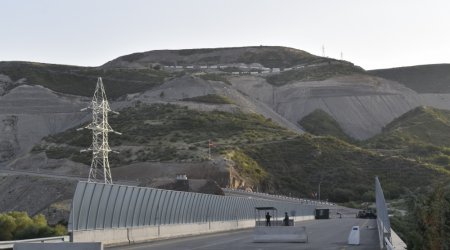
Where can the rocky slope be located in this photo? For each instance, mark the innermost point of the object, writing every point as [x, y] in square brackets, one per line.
[28, 113]
[37, 195]
[361, 104]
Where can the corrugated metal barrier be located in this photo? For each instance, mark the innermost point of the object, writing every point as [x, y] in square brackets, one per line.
[103, 206]
[384, 225]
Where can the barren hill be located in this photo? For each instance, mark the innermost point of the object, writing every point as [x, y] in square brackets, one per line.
[434, 78]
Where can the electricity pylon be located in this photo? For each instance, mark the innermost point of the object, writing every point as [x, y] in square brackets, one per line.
[100, 170]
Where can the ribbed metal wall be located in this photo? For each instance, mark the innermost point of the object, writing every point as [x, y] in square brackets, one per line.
[98, 206]
[384, 225]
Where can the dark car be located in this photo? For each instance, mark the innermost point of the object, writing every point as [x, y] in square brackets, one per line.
[366, 214]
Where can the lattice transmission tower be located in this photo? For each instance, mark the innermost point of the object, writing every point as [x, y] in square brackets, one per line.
[100, 171]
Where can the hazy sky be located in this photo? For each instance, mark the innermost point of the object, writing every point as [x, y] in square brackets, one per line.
[372, 34]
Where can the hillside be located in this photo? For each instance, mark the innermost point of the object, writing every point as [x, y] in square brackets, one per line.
[250, 102]
[166, 132]
[433, 78]
[420, 125]
[172, 102]
[266, 56]
[422, 133]
[263, 154]
[319, 122]
[283, 84]
[346, 172]
[314, 73]
[79, 81]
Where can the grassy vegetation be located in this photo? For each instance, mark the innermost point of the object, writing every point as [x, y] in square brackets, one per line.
[211, 98]
[81, 80]
[345, 171]
[422, 134]
[276, 57]
[271, 157]
[268, 56]
[247, 167]
[167, 133]
[214, 77]
[424, 124]
[19, 226]
[320, 122]
[314, 73]
[426, 225]
[189, 52]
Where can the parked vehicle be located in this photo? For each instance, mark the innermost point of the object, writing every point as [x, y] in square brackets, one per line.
[366, 214]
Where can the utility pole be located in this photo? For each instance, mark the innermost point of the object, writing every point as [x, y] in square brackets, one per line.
[100, 171]
[210, 144]
[323, 50]
[231, 178]
[319, 191]
[273, 96]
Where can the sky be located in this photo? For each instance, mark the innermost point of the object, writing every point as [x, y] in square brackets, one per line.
[370, 33]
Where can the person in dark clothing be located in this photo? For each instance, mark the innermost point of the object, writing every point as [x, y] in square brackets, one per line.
[268, 216]
[286, 219]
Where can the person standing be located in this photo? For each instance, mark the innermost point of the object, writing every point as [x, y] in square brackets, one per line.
[286, 219]
[268, 216]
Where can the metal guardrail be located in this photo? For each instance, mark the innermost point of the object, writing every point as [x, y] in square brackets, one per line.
[389, 245]
[10, 244]
[281, 197]
[384, 225]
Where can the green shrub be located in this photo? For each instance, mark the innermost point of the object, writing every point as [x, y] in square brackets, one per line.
[342, 195]
[18, 225]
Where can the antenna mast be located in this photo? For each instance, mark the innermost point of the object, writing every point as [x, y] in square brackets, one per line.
[100, 171]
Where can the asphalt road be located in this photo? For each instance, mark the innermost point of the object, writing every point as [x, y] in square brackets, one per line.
[322, 234]
[56, 176]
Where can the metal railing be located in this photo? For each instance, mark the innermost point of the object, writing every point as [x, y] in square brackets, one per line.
[384, 225]
[10, 244]
[279, 197]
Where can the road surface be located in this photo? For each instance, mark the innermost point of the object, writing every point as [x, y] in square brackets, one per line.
[322, 234]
